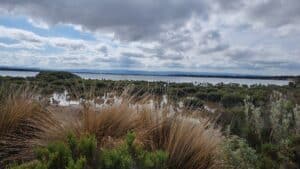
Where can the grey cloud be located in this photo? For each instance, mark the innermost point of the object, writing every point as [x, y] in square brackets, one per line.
[276, 13]
[131, 54]
[240, 54]
[229, 5]
[176, 56]
[271, 13]
[104, 50]
[252, 59]
[160, 52]
[213, 35]
[71, 46]
[127, 62]
[178, 40]
[102, 60]
[211, 42]
[175, 65]
[218, 48]
[136, 18]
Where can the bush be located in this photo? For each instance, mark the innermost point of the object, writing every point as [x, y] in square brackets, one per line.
[201, 95]
[214, 96]
[193, 103]
[84, 153]
[75, 154]
[238, 155]
[52, 76]
[129, 156]
[270, 150]
[118, 158]
[230, 100]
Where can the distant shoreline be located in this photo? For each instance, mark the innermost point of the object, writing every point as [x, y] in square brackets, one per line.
[259, 77]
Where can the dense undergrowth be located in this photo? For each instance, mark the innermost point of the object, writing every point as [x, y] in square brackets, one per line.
[84, 153]
[254, 126]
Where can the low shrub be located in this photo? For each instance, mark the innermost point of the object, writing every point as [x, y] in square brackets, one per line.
[239, 155]
[230, 100]
[84, 153]
[214, 96]
[193, 103]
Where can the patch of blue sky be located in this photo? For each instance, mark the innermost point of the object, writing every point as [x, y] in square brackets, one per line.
[51, 50]
[60, 30]
[45, 50]
[8, 41]
[11, 50]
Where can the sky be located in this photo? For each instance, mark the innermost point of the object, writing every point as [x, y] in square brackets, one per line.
[232, 36]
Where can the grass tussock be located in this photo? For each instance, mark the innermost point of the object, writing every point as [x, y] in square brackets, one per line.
[190, 143]
[24, 123]
[108, 122]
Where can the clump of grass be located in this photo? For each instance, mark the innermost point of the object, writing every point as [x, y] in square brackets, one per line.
[109, 122]
[23, 123]
[190, 143]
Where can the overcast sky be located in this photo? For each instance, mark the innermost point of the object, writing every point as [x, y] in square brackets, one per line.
[238, 36]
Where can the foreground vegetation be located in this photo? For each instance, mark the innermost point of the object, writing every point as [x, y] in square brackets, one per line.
[84, 153]
[244, 127]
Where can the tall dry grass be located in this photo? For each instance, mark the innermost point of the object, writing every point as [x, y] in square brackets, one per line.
[112, 121]
[23, 123]
[191, 143]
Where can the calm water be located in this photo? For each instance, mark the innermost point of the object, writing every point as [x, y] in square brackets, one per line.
[17, 73]
[195, 80]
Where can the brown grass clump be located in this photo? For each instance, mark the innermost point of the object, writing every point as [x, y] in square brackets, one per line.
[23, 123]
[191, 143]
[112, 121]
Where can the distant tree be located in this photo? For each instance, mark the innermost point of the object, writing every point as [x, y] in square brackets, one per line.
[52, 76]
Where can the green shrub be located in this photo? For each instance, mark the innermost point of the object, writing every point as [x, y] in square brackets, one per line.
[56, 155]
[52, 76]
[214, 96]
[84, 153]
[270, 150]
[59, 155]
[230, 100]
[238, 154]
[201, 95]
[152, 160]
[129, 156]
[87, 147]
[79, 164]
[118, 158]
[193, 103]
